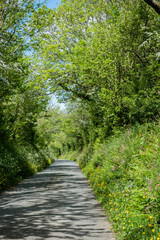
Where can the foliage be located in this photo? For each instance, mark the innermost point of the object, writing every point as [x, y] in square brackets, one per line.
[124, 173]
[21, 97]
[17, 162]
[103, 58]
[64, 131]
[90, 54]
[22, 94]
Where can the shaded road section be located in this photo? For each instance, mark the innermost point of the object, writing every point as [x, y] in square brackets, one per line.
[54, 204]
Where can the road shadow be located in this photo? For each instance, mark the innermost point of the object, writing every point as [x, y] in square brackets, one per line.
[54, 204]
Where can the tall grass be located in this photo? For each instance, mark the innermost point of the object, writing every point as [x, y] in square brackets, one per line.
[124, 172]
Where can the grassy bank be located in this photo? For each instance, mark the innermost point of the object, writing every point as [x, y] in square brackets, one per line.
[124, 172]
[19, 161]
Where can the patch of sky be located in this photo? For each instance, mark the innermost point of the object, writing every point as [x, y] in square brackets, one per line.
[54, 103]
[50, 3]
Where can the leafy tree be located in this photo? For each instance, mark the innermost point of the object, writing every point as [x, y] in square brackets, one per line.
[21, 97]
[91, 56]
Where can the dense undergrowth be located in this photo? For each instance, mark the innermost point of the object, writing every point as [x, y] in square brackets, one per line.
[19, 161]
[124, 173]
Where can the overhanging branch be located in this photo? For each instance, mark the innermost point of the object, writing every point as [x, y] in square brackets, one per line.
[80, 95]
[154, 4]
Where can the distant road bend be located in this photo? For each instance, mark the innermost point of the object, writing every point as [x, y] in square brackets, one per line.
[54, 204]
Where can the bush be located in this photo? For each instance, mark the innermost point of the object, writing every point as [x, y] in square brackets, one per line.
[17, 162]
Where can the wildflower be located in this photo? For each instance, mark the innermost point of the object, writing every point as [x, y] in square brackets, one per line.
[122, 148]
[143, 233]
[150, 225]
[153, 230]
[140, 226]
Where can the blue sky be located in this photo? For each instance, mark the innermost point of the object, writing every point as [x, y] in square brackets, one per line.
[51, 3]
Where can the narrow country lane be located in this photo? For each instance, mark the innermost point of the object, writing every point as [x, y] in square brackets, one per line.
[54, 204]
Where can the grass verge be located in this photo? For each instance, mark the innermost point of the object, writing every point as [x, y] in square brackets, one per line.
[124, 172]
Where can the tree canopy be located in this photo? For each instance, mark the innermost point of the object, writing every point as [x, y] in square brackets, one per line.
[21, 94]
[103, 54]
[102, 57]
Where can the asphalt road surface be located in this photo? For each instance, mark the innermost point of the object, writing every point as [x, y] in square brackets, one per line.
[54, 204]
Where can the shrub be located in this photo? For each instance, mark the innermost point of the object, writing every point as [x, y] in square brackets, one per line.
[18, 161]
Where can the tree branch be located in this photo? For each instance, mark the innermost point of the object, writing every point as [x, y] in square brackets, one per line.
[154, 4]
[80, 95]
